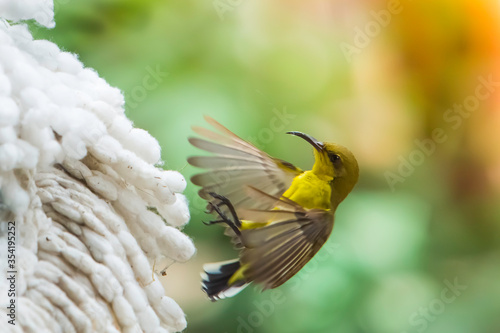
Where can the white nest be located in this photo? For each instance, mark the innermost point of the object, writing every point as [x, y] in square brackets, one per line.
[80, 183]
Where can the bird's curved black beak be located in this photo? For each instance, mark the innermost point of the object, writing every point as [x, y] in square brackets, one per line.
[318, 145]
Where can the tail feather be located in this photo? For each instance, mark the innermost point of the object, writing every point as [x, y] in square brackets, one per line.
[216, 277]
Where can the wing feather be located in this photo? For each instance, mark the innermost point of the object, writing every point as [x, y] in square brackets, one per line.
[217, 148]
[235, 165]
[275, 253]
[223, 161]
[267, 272]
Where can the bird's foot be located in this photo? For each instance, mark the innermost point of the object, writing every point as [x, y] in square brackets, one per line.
[213, 222]
[223, 201]
[225, 219]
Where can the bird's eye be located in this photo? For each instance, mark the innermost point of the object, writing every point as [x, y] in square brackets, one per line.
[334, 158]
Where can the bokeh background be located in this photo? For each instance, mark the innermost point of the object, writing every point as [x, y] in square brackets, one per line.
[401, 83]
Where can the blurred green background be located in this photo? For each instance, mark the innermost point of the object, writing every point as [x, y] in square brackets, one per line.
[416, 245]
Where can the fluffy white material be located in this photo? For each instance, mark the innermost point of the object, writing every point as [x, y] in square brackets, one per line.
[41, 11]
[81, 184]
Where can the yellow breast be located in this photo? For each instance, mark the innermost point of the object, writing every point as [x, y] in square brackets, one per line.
[310, 191]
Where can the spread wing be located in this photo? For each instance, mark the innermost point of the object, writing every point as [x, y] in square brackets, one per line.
[276, 252]
[235, 165]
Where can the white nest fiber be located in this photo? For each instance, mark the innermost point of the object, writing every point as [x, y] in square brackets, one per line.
[80, 183]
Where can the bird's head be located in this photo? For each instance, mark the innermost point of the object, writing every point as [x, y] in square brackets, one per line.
[335, 163]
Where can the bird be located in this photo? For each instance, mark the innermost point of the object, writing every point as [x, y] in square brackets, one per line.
[277, 215]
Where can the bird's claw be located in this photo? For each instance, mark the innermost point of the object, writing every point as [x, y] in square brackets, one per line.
[234, 225]
[213, 222]
[224, 201]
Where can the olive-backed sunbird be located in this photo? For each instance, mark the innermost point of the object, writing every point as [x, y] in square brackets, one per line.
[277, 215]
